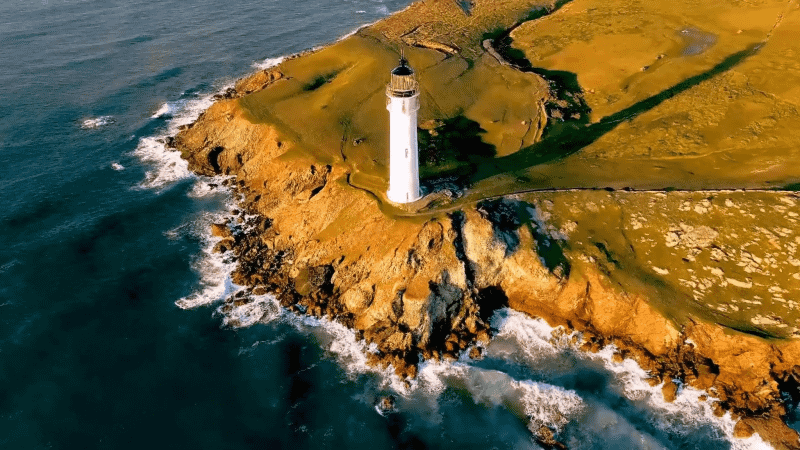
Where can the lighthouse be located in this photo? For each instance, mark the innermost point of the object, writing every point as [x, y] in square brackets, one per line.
[402, 101]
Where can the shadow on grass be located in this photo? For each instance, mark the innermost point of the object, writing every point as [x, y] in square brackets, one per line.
[455, 145]
[563, 139]
[320, 80]
[792, 187]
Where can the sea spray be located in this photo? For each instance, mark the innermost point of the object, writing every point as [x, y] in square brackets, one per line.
[167, 166]
[97, 122]
[269, 63]
[680, 416]
[538, 345]
[214, 268]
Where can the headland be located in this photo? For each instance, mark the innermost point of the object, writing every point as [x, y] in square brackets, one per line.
[621, 170]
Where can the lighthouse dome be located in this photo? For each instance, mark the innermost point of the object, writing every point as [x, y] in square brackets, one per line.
[403, 70]
[403, 83]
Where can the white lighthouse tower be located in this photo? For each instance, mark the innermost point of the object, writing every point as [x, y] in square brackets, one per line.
[402, 101]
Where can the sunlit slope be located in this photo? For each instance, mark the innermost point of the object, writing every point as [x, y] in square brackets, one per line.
[687, 95]
[731, 258]
[331, 103]
[694, 94]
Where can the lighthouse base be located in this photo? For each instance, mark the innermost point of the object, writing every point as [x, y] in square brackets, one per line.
[403, 197]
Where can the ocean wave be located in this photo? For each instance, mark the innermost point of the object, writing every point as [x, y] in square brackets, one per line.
[206, 187]
[534, 339]
[167, 166]
[97, 122]
[167, 109]
[259, 308]
[214, 268]
[681, 416]
[117, 166]
[269, 63]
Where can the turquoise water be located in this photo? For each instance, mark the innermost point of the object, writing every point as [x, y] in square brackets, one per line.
[109, 331]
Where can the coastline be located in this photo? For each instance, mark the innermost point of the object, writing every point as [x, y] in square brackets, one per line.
[426, 290]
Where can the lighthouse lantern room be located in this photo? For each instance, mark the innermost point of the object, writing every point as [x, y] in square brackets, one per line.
[402, 101]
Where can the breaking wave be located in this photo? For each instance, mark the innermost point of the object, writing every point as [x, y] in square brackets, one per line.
[167, 166]
[269, 63]
[97, 122]
[532, 342]
[213, 268]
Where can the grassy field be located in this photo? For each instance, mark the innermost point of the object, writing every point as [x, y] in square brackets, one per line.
[728, 257]
[685, 97]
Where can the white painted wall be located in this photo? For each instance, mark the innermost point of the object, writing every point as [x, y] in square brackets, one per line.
[403, 151]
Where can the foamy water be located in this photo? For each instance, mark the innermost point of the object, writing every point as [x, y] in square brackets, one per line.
[534, 338]
[214, 269]
[167, 166]
[269, 63]
[97, 122]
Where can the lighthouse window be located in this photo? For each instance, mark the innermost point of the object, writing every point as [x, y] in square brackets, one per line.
[406, 153]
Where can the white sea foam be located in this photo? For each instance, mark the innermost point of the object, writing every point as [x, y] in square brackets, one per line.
[117, 166]
[548, 405]
[269, 63]
[261, 308]
[339, 340]
[169, 108]
[682, 417]
[541, 403]
[205, 187]
[684, 414]
[533, 336]
[167, 166]
[214, 268]
[97, 122]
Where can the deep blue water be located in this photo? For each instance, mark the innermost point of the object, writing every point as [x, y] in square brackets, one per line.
[102, 232]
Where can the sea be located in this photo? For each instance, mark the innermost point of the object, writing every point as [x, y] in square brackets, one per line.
[111, 333]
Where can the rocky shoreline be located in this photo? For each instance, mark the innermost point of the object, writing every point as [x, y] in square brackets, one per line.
[431, 296]
[423, 286]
